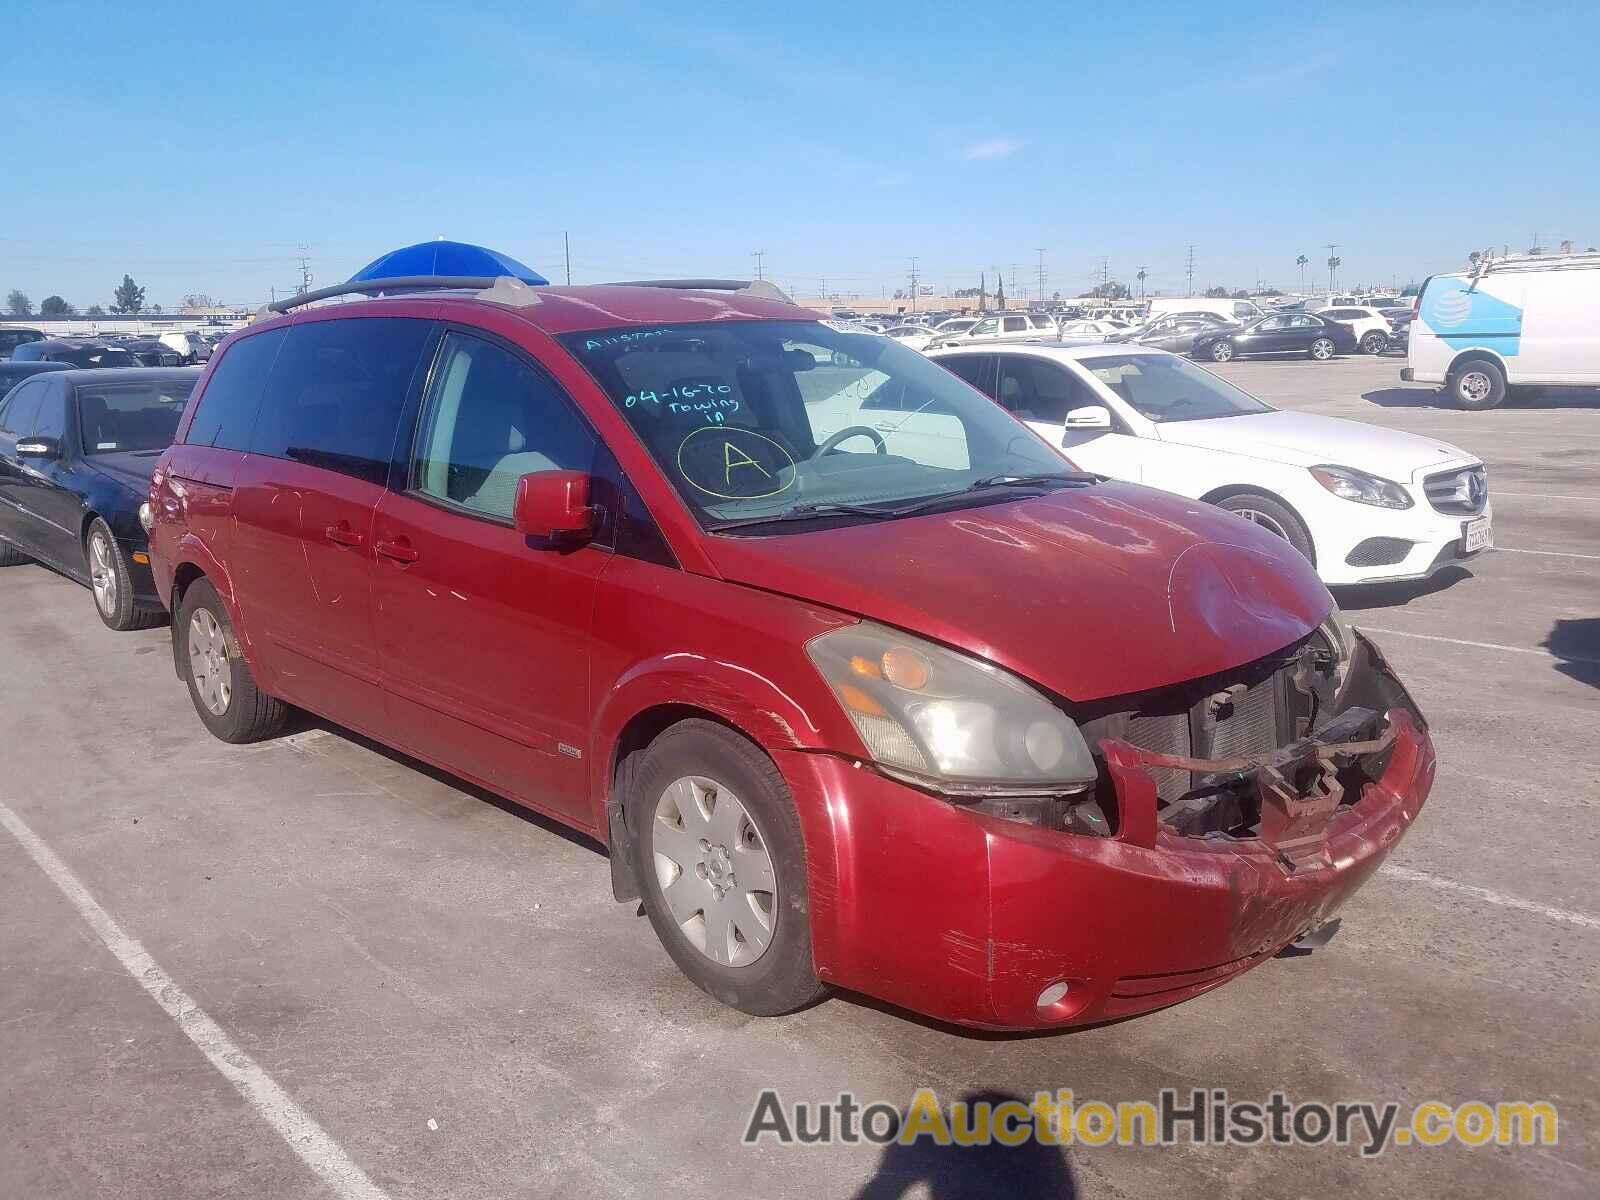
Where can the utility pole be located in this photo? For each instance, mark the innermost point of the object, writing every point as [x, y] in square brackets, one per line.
[1333, 264]
[757, 254]
[305, 271]
[1105, 278]
[916, 284]
[1014, 279]
[1189, 272]
[1041, 274]
[566, 251]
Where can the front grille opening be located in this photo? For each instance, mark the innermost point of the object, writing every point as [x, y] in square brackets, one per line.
[1249, 711]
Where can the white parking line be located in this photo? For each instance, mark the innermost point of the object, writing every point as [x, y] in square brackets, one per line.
[1544, 496]
[1584, 920]
[274, 1105]
[1550, 553]
[1433, 637]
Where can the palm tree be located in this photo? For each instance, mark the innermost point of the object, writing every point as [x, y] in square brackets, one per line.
[1141, 277]
[1301, 263]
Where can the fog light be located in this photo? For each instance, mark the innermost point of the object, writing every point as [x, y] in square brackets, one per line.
[1053, 994]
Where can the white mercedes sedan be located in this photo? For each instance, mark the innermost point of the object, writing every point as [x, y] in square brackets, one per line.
[1365, 504]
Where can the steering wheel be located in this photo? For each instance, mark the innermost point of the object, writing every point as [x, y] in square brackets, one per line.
[851, 431]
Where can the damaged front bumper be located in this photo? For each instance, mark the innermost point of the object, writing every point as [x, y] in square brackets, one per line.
[978, 919]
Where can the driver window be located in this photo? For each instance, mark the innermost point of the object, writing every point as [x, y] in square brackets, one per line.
[489, 419]
[1272, 323]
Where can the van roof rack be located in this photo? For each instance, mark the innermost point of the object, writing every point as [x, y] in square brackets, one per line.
[1489, 263]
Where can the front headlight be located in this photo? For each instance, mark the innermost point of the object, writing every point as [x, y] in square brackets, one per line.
[147, 519]
[948, 722]
[1350, 484]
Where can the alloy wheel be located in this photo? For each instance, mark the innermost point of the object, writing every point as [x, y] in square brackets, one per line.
[208, 662]
[714, 871]
[1222, 351]
[1263, 520]
[102, 573]
[1322, 349]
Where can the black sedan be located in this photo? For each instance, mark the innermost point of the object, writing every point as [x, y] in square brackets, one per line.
[13, 373]
[76, 452]
[75, 352]
[1282, 333]
[1175, 332]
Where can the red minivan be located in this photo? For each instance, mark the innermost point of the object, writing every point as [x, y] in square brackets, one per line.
[859, 680]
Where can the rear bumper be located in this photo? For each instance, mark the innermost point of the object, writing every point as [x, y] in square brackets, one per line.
[968, 918]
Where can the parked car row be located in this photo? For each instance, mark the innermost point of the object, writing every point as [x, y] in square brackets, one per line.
[788, 615]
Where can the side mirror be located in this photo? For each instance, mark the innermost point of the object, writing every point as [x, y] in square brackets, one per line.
[553, 504]
[1091, 416]
[39, 447]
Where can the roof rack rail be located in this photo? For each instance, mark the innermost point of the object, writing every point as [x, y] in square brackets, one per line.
[755, 287]
[407, 283]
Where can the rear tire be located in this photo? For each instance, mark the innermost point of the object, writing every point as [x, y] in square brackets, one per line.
[1274, 516]
[708, 809]
[1221, 351]
[1477, 384]
[220, 681]
[111, 583]
[1322, 350]
[1373, 342]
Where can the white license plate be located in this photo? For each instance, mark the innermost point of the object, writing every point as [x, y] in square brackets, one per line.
[1476, 535]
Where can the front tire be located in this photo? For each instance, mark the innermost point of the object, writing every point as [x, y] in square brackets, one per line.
[111, 583]
[720, 862]
[1373, 342]
[1274, 516]
[1477, 384]
[1221, 351]
[220, 681]
[1322, 349]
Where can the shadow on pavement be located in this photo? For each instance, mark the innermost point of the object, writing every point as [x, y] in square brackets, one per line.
[1368, 596]
[1429, 397]
[953, 1172]
[1576, 645]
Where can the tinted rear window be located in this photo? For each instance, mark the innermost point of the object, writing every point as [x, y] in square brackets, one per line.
[334, 395]
[227, 411]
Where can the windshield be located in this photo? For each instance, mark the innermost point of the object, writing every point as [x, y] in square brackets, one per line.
[761, 419]
[1164, 387]
[138, 415]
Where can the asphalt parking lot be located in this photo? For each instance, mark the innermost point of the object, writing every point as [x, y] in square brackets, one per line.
[444, 985]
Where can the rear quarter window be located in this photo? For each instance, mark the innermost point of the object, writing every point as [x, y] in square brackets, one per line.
[226, 411]
[335, 393]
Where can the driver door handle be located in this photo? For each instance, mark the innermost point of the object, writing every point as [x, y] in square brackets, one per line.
[342, 535]
[399, 549]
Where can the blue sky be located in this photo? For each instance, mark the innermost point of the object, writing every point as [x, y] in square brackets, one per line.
[196, 147]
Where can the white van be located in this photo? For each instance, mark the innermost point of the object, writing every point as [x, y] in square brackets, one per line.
[1242, 311]
[1516, 320]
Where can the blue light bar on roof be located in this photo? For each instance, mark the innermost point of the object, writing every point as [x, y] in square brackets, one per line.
[445, 259]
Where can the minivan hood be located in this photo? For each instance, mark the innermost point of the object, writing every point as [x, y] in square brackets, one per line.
[1307, 440]
[1089, 593]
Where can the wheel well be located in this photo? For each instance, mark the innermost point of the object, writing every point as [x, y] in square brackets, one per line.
[89, 518]
[1467, 356]
[642, 729]
[186, 574]
[1218, 495]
